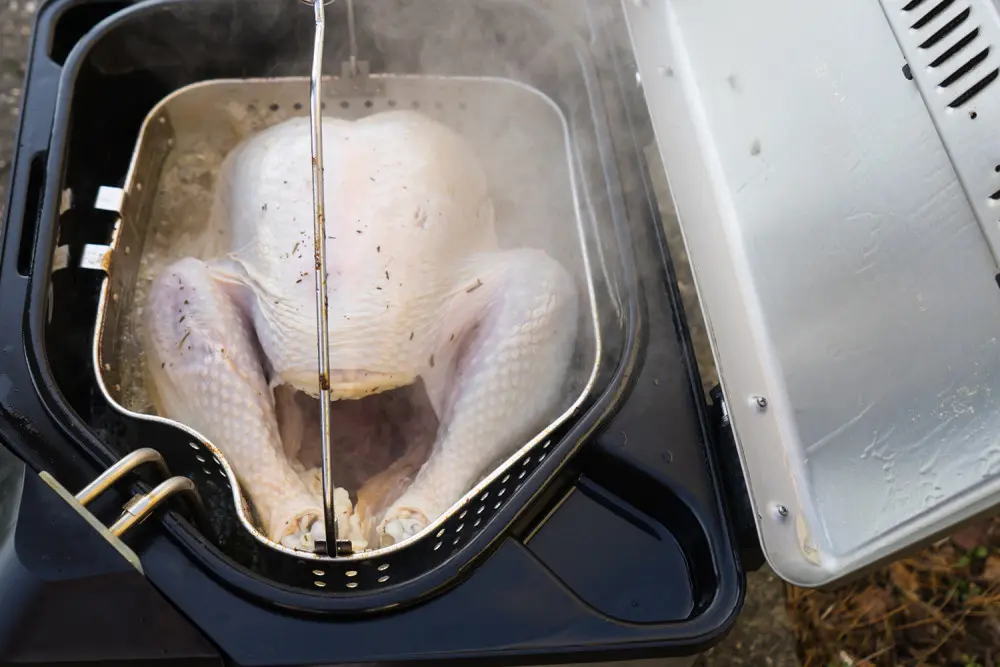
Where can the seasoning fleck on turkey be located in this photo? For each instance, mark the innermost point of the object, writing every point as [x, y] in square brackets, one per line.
[483, 334]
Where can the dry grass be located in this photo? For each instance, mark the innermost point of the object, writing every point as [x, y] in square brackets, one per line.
[940, 607]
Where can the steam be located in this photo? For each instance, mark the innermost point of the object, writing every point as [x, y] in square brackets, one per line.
[538, 44]
[528, 74]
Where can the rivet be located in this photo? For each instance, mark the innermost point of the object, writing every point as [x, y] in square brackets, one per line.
[781, 510]
[760, 402]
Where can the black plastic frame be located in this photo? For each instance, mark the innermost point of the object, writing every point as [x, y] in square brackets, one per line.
[511, 607]
[99, 67]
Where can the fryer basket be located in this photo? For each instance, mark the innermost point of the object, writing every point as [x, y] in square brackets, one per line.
[197, 124]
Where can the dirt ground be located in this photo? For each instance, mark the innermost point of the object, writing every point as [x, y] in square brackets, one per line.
[15, 25]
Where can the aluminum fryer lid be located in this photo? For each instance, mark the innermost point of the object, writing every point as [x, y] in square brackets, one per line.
[829, 208]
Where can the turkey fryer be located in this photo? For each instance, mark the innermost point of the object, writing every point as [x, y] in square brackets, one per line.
[509, 109]
[838, 210]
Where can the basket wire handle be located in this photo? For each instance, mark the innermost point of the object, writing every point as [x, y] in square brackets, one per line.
[319, 250]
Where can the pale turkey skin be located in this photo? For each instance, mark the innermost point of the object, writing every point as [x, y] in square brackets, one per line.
[418, 286]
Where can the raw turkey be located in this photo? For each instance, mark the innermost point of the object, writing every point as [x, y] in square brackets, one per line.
[419, 290]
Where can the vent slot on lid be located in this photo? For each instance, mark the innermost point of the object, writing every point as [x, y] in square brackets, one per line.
[973, 73]
[947, 29]
[975, 89]
[966, 67]
[954, 48]
[934, 12]
[951, 49]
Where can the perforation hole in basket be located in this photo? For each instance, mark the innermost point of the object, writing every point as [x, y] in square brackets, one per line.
[195, 446]
[276, 107]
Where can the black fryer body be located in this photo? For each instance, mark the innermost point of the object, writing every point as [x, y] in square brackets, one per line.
[633, 557]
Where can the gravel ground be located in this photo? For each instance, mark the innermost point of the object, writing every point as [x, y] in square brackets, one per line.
[762, 635]
[15, 26]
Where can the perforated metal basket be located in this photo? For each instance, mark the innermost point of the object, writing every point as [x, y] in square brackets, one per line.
[178, 152]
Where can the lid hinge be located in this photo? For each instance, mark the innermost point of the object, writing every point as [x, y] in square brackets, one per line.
[740, 509]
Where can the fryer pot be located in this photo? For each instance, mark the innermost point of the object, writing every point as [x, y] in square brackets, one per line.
[513, 593]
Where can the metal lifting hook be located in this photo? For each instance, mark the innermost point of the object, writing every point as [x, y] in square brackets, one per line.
[341, 547]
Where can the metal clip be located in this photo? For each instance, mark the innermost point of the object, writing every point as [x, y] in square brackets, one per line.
[138, 508]
[141, 506]
[123, 467]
